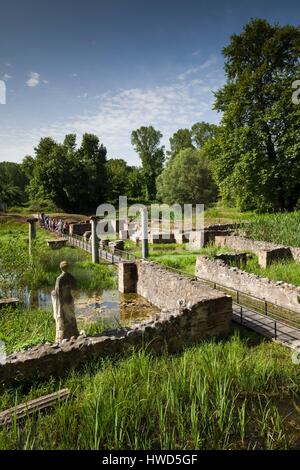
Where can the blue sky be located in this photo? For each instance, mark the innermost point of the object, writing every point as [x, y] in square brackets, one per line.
[109, 67]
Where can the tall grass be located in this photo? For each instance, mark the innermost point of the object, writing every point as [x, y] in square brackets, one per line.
[214, 396]
[181, 258]
[287, 271]
[282, 228]
[23, 328]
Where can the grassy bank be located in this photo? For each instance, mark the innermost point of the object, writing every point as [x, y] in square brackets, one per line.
[23, 327]
[18, 270]
[226, 395]
[281, 228]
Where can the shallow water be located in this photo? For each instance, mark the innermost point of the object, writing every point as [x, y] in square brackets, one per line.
[107, 305]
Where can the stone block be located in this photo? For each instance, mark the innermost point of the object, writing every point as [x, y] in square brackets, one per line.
[127, 277]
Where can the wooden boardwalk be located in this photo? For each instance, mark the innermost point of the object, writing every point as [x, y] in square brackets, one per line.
[269, 327]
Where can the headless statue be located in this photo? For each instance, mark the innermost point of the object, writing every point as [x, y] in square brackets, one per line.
[63, 305]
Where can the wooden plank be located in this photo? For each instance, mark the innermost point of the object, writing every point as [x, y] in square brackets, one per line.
[38, 404]
[9, 302]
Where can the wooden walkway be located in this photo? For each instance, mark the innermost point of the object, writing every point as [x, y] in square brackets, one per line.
[269, 327]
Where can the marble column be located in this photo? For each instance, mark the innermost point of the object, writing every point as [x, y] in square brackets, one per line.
[94, 240]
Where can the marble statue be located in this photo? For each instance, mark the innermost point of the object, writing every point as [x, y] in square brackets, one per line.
[63, 305]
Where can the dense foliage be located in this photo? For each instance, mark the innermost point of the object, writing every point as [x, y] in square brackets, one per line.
[186, 179]
[256, 152]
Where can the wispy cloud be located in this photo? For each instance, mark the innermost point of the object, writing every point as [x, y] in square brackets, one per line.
[114, 114]
[193, 70]
[197, 52]
[33, 80]
[6, 76]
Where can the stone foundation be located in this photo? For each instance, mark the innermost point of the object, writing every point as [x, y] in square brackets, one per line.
[79, 228]
[203, 238]
[168, 331]
[267, 252]
[279, 293]
[189, 313]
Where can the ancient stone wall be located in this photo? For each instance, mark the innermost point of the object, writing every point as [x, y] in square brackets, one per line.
[267, 252]
[168, 331]
[189, 313]
[279, 293]
[79, 228]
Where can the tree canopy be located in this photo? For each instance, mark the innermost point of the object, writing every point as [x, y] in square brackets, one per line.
[186, 179]
[256, 152]
[146, 142]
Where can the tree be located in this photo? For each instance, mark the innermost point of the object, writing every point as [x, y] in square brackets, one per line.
[182, 139]
[13, 181]
[117, 177]
[146, 142]
[186, 179]
[73, 179]
[202, 131]
[256, 154]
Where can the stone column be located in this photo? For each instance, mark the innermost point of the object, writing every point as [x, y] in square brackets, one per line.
[32, 231]
[94, 240]
[127, 277]
[144, 224]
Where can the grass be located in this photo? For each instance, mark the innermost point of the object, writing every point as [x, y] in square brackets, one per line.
[217, 395]
[43, 268]
[282, 228]
[287, 271]
[237, 393]
[22, 328]
[179, 256]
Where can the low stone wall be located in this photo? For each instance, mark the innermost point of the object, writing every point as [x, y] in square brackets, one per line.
[169, 290]
[168, 331]
[189, 312]
[197, 239]
[279, 293]
[79, 228]
[267, 252]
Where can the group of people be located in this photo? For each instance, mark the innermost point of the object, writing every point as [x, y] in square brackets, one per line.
[55, 225]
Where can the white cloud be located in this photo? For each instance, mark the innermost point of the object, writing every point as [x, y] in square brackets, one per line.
[6, 76]
[208, 63]
[166, 107]
[45, 82]
[197, 52]
[114, 114]
[34, 79]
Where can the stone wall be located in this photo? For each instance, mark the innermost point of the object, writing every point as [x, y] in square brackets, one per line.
[279, 293]
[189, 312]
[79, 228]
[167, 331]
[169, 290]
[267, 252]
[197, 239]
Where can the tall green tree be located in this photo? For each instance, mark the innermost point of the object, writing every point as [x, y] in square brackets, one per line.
[13, 181]
[117, 177]
[180, 140]
[74, 179]
[186, 179]
[202, 131]
[146, 142]
[256, 153]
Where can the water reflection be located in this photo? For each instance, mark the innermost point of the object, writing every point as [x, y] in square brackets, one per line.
[107, 305]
